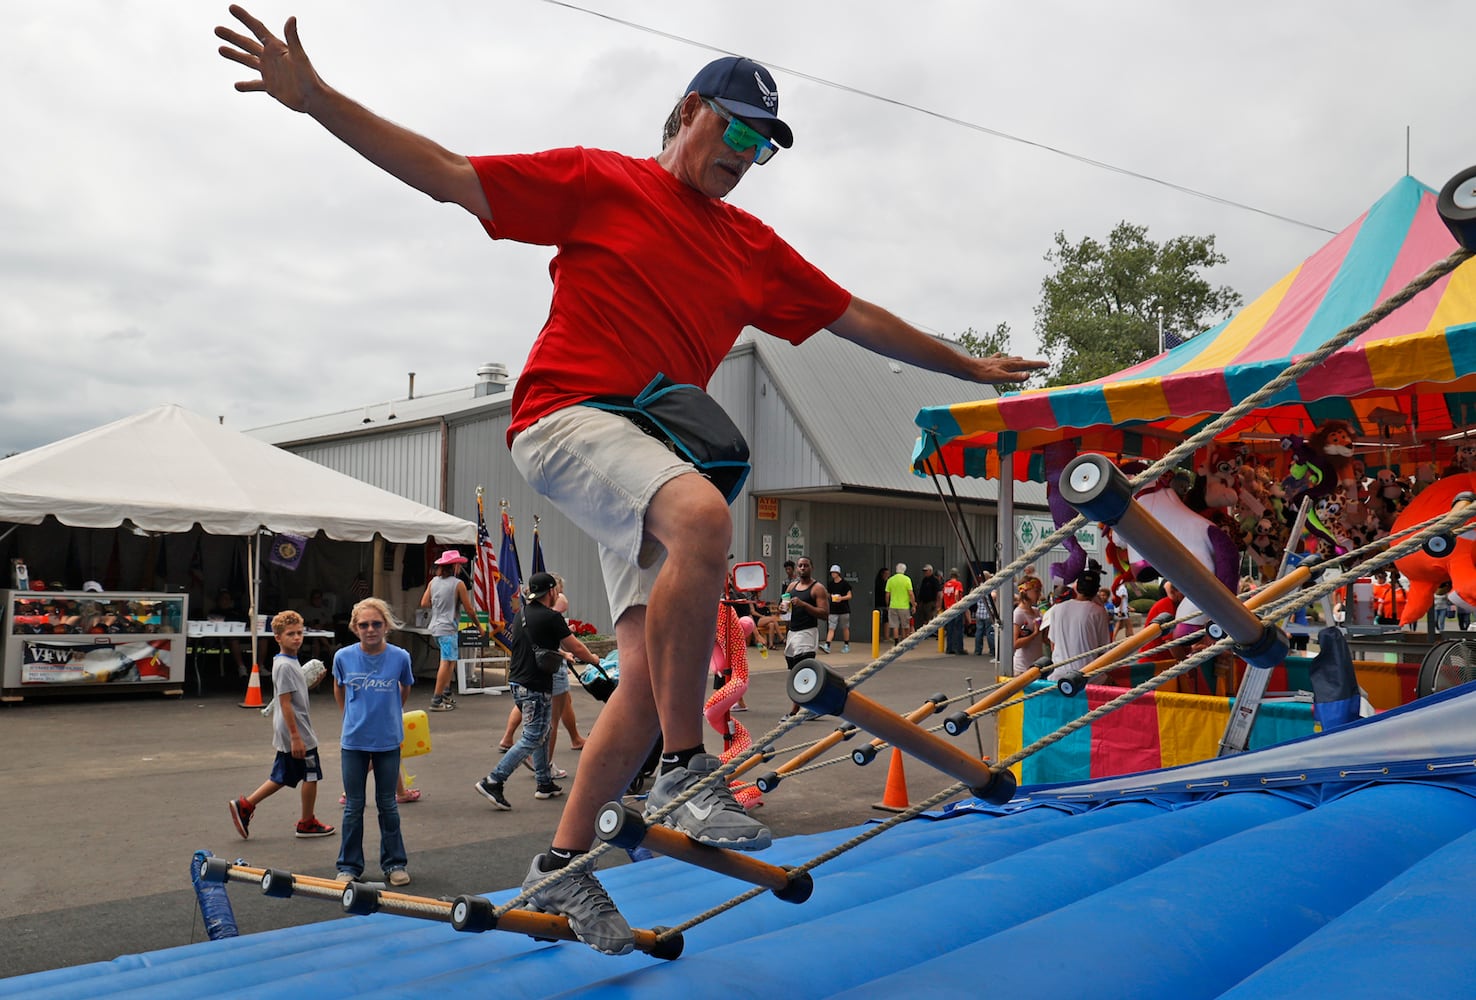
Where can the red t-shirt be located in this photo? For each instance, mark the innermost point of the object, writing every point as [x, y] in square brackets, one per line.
[1164, 605]
[651, 275]
[953, 591]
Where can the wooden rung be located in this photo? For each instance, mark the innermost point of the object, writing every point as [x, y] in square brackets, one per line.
[770, 780]
[622, 826]
[468, 913]
[932, 706]
[821, 690]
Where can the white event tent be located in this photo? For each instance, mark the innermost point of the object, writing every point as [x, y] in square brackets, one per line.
[167, 469]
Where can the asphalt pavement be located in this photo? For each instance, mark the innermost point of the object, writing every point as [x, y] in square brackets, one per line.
[107, 797]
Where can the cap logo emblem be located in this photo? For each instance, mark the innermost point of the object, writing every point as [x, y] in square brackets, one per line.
[771, 97]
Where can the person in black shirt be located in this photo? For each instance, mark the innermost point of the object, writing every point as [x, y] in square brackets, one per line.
[928, 589]
[809, 605]
[840, 610]
[540, 637]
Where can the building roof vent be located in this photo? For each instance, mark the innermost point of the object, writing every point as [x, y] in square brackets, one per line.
[491, 378]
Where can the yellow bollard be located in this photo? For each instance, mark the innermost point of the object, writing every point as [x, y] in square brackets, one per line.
[876, 620]
[940, 640]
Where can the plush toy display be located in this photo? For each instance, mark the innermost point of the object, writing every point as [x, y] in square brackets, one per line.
[1311, 478]
[1210, 543]
[1333, 444]
[1237, 513]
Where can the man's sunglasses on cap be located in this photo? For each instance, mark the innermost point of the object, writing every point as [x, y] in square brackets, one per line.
[741, 136]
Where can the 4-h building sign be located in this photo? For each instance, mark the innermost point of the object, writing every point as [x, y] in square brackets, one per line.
[1030, 530]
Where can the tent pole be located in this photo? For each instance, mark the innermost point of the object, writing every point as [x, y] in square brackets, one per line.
[1004, 534]
[253, 546]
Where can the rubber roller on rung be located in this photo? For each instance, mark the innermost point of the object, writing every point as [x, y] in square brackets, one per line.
[277, 884]
[1457, 207]
[621, 826]
[814, 687]
[473, 914]
[217, 870]
[360, 899]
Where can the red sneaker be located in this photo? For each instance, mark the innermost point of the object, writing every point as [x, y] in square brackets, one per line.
[312, 828]
[241, 811]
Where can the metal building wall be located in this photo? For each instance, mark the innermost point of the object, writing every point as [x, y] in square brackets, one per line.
[407, 462]
[828, 523]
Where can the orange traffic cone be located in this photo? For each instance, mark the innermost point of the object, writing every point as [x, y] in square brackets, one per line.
[894, 799]
[253, 689]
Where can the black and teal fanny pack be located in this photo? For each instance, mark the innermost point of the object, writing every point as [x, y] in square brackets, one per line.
[692, 424]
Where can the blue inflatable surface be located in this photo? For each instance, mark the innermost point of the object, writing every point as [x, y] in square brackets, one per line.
[1352, 877]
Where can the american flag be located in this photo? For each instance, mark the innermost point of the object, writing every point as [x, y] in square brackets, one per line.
[484, 572]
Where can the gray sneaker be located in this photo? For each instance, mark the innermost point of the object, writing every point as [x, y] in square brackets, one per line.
[580, 897]
[712, 816]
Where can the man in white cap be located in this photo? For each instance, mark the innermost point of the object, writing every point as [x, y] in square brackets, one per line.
[655, 275]
[840, 610]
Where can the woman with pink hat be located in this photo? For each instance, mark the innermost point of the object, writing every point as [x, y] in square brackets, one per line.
[443, 595]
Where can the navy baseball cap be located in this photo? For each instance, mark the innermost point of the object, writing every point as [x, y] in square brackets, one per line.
[744, 88]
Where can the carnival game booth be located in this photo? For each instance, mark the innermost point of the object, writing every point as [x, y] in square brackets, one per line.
[160, 474]
[1403, 390]
[1407, 386]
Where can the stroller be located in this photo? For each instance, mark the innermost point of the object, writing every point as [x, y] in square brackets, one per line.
[600, 680]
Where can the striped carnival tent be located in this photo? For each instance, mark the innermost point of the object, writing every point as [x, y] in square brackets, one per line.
[1405, 384]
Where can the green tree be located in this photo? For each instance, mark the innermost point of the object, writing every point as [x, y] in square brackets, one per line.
[981, 345]
[1099, 311]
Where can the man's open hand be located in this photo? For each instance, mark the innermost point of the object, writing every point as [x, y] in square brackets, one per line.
[1003, 367]
[285, 71]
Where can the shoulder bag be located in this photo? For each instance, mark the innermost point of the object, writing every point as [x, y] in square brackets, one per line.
[692, 424]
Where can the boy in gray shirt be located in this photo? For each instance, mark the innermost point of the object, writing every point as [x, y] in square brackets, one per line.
[292, 736]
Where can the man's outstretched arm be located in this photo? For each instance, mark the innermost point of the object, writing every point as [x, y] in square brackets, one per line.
[286, 74]
[872, 327]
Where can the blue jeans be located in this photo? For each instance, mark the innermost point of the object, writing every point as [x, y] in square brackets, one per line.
[356, 767]
[983, 632]
[536, 707]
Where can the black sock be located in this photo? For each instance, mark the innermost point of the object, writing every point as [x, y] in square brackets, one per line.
[555, 859]
[680, 758]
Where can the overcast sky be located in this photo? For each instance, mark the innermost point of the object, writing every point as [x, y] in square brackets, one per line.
[166, 239]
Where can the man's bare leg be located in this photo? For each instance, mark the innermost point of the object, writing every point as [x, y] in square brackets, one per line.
[664, 647]
[616, 748]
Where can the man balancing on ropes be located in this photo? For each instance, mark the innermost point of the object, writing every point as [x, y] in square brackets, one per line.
[654, 274]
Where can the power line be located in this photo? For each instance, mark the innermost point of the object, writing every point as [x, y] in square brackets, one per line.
[952, 120]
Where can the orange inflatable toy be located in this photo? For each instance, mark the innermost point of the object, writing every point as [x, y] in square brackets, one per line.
[1426, 573]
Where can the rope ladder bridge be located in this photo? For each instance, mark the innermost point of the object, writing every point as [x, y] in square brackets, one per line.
[1099, 491]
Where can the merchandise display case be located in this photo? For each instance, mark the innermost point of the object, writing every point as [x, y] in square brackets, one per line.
[66, 641]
